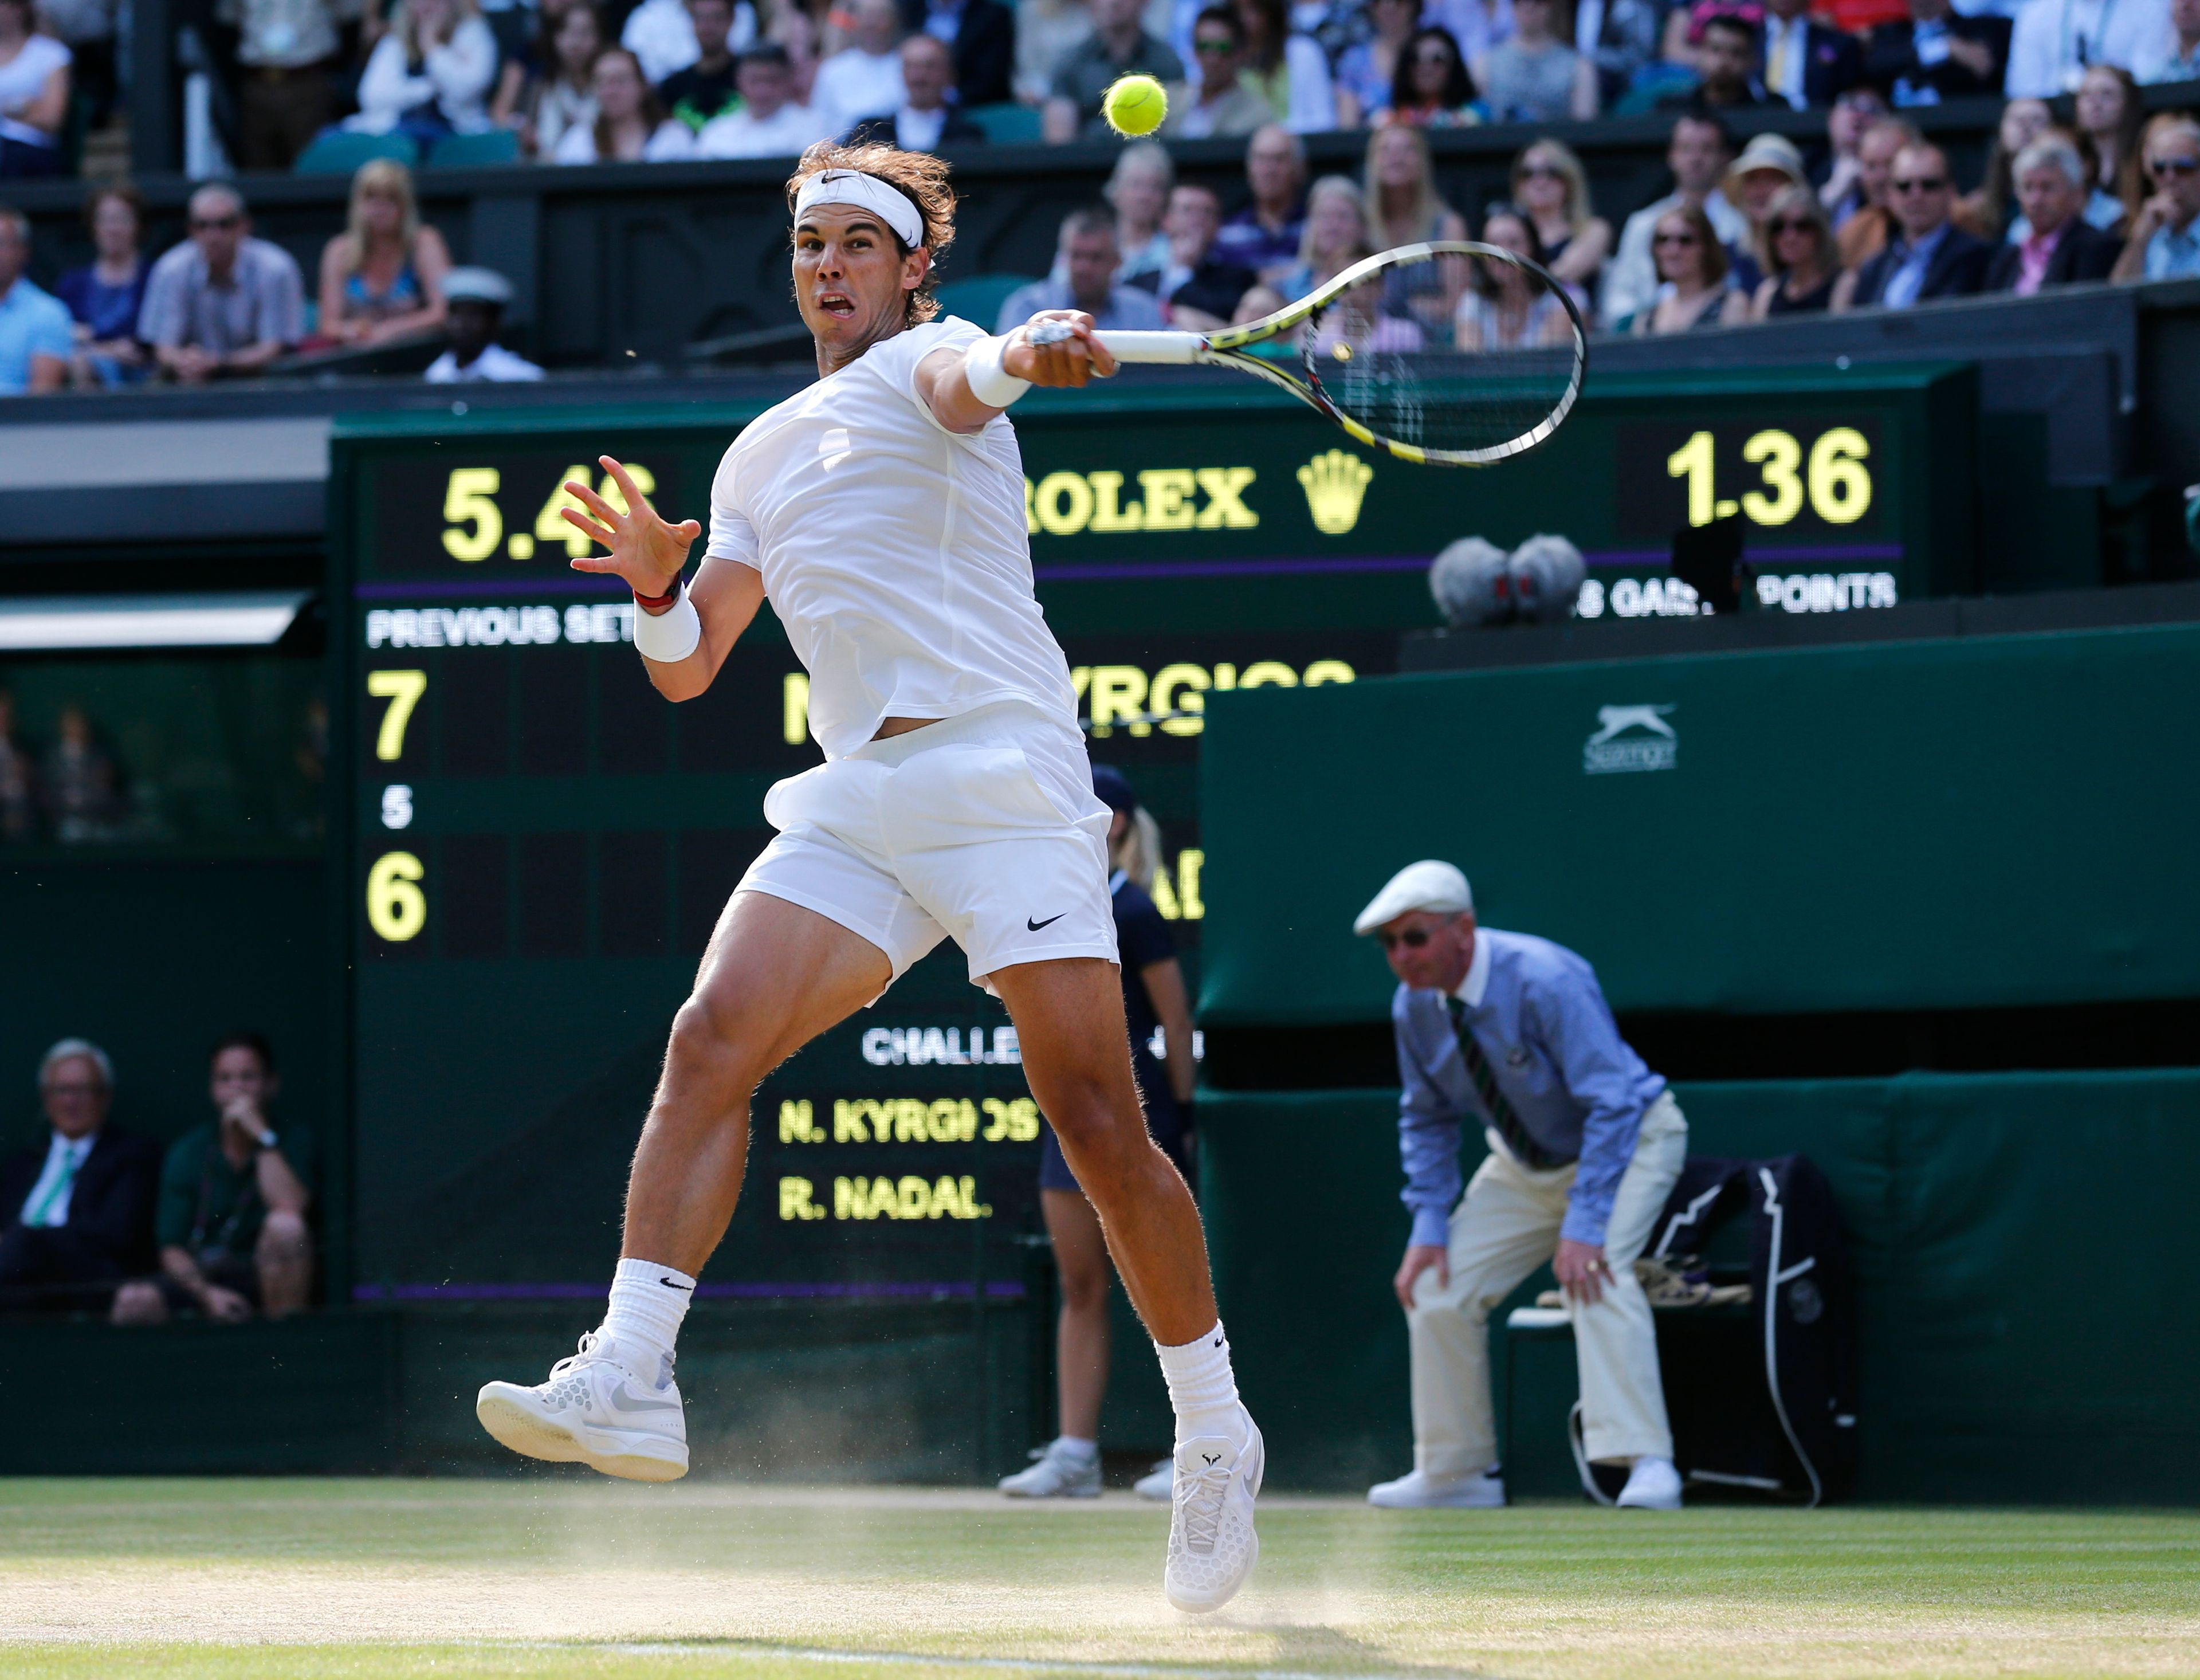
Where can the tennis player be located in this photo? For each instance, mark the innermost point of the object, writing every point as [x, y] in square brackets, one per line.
[881, 512]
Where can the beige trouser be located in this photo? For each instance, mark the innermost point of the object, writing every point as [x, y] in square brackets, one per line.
[1505, 1227]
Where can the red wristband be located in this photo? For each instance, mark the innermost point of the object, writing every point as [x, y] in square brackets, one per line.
[658, 603]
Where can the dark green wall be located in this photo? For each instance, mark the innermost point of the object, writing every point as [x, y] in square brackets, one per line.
[2018, 1242]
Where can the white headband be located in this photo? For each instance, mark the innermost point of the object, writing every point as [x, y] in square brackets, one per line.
[850, 186]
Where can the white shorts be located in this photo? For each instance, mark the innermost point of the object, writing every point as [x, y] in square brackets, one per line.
[953, 829]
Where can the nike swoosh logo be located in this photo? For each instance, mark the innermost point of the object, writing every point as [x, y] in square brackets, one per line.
[627, 1400]
[1049, 922]
[668, 1284]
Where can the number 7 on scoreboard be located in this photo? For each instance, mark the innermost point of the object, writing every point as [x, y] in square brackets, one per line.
[402, 689]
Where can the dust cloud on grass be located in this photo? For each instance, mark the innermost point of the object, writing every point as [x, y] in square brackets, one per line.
[713, 1578]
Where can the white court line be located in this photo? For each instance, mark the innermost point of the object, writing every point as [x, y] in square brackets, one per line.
[1014, 1664]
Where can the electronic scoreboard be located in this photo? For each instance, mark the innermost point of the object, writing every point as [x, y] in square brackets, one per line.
[537, 846]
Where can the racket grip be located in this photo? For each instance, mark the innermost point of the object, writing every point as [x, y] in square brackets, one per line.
[1153, 347]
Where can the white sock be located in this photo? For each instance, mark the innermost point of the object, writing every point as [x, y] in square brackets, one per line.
[1201, 1387]
[647, 1303]
[1077, 1449]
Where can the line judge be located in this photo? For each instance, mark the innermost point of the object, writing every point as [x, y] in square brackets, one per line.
[1585, 1142]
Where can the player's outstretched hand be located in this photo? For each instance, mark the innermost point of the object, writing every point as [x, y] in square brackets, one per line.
[645, 551]
[1071, 361]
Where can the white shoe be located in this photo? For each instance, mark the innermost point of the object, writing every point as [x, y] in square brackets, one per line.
[596, 1409]
[1055, 1475]
[1159, 1482]
[1212, 1548]
[1482, 1491]
[1653, 1485]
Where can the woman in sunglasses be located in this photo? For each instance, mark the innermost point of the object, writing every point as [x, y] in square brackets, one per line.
[1549, 184]
[1430, 87]
[1795, 250]
[1692, 289]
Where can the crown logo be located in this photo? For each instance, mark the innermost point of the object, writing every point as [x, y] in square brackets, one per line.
[1335, 485]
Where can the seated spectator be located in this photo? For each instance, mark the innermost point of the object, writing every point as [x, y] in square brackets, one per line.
[770, 124]
[477, 299]
[1837, 189]
[1220, 107]
[2104, 210]
[1865, 234]
[2165, 236]
[1623, 38]
[1550, 186]
[1430, 86]
[630, 125]
[706, 88]
[35, 337]
[925, 121]
[19, 782]
[1119, 46]
[1047, 32]
[82, 792]
[1726, 68]
[1929, 256]
[2051, 186]
[1203, 293]
[34, 93]
[1536, 76]
[76, 1209]
[382, 276]
[1337, 236]
[796, 33]
[222, 304]
[668, 37]
[1939, 53]
[1796, 253]
[103, 297]
[1138, 189]
[1986, 212]
[863, 79]
[1263, 236]
[1806, 62]
[980, 36]
[1768, 167]
[562, 93]
[1084, 278]
[1697, 155]
[2110, 114]
[1501, 309]
[1288, 69]
[1403, 205]
[288, 51]
[234, 1192]
[430, 74]
[2174, 54]
[2055, 41]
[1693, 289]
[1367, 68]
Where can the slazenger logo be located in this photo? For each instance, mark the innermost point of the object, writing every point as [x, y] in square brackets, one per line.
[1630, 738]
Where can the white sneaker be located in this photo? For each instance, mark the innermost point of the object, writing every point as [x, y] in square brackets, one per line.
[596, 1409]
[1653, 1485]
[1212, 1548]
[1055, 1475]
[1482, 1491]
[1159, 1482]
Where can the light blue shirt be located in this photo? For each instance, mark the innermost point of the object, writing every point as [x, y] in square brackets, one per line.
[1908, 277]
[1539, 1015]
[32, 322]
[2173, 253]
[1128, 308]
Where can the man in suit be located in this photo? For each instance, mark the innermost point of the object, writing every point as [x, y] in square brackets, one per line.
[78, 1207]
[2052, 188]
[926, 121]
[1937, 53]
[1806, 63]
[981, 36]
[1929, 256]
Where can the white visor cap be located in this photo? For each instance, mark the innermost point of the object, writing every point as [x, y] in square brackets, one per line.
[852, 186]
[1428, 885]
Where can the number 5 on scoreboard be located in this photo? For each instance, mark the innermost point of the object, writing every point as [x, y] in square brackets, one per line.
[402, 689]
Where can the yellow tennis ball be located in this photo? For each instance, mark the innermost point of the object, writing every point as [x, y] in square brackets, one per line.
[1135, 106]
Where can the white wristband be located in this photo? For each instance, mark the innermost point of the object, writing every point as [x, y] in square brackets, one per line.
[669, 636]
[988, 383]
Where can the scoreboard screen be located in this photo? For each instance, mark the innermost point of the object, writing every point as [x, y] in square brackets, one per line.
[538, 845]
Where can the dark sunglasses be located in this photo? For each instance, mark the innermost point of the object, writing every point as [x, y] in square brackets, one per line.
[1674, 239]
[214, 224]
[2175, 166]
[1923, 184]
[1413, 939]
[1549, 172]
[1780, 225]
[1433, 55]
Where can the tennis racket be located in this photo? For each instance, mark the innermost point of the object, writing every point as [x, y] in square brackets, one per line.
[1448, 353]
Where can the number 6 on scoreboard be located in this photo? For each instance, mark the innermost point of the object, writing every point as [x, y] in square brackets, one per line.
[402, 689]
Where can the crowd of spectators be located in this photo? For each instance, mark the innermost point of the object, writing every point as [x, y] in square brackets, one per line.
[93, 1217]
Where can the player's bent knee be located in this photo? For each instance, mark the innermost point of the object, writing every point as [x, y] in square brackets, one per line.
[282, 1235]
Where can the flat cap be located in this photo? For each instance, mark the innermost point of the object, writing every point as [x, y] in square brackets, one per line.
[1428, 885]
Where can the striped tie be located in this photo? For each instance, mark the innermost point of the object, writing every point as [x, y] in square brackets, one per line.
[1525, 1149]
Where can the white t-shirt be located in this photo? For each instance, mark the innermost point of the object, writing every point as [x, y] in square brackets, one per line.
[23, 78]
[894, 550]
[853, 84]
[672, 143]
[787, 132]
